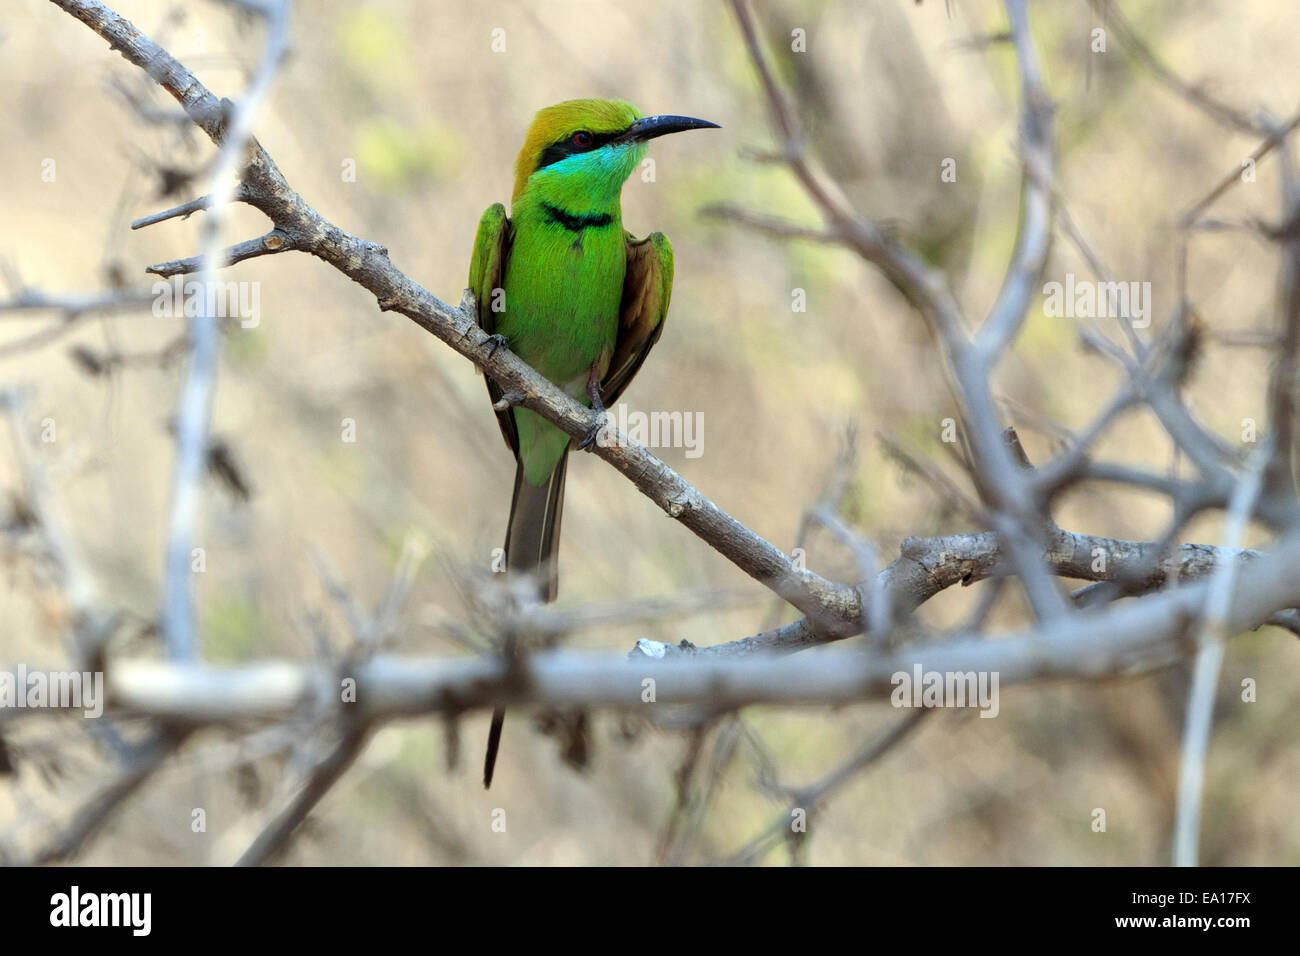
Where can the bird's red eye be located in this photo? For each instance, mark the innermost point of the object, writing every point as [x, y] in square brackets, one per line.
[581, 139]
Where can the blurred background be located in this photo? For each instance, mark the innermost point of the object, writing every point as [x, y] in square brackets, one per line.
[417, 101]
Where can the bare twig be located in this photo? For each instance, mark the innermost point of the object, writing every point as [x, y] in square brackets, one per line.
[809, 798]
[193, 416]
[1209, 658]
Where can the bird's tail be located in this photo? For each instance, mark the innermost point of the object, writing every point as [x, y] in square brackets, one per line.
[532, 547]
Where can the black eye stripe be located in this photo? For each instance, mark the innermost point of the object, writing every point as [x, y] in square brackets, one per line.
[566, 147]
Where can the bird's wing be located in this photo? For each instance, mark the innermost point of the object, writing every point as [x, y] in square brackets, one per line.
[647, 287]
[487, 271]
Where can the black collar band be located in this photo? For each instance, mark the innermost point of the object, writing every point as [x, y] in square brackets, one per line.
[575, 223]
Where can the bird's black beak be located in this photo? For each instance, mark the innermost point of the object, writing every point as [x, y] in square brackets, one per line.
[651, 126]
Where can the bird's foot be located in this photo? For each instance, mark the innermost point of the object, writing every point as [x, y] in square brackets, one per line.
[597, 406]
[593, 433]
[497, 342]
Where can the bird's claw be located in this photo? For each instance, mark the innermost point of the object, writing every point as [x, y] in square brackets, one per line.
[497, 342]
[597, 406]
[593, 433]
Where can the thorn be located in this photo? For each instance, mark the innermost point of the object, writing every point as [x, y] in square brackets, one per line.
[1012, 440]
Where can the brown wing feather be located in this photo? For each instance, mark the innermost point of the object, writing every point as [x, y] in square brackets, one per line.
[491, 253]
[647, 287]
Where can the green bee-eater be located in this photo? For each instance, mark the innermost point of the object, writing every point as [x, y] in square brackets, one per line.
[573, 295]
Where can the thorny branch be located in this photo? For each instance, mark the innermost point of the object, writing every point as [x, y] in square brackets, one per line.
[1091, 636]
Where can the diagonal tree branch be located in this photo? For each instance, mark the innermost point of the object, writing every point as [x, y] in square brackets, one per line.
[834, 607]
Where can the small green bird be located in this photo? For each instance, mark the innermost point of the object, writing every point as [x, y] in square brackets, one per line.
[573, 295]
